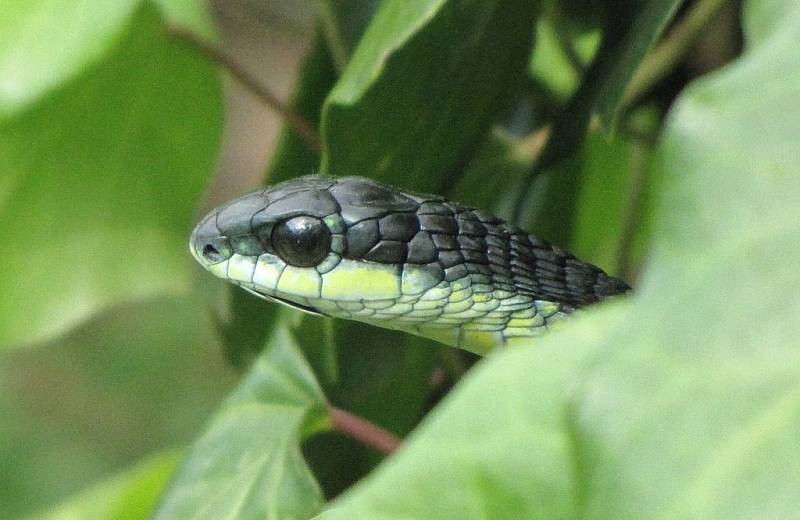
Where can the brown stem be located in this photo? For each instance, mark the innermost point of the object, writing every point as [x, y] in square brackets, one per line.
[363, 431]
[298, 123]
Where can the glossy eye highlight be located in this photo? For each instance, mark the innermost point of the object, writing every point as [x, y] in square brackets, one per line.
[302, 241]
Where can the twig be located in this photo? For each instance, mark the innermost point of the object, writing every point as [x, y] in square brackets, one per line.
[669, 53]
[363, 431]
[298, 123]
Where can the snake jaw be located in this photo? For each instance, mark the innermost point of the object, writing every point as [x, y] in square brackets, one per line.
[274, 299]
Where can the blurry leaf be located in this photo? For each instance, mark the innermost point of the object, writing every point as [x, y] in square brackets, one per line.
[604, 196]
[105, 174]
[580, 15]
[759, 20]
[244, 325]
[248, 463]
[682, 403]
[132, 380]
[128, 496]
[495, 171]
[44, 43]
[192, 15]
[423, 87]
[623, 57]
[344, 22]
[549, 63]
[627, 38]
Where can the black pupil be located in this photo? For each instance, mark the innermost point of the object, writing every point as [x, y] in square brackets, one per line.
[211, 253]
[302, 241]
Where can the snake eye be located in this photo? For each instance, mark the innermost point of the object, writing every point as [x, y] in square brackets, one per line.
[302, 241]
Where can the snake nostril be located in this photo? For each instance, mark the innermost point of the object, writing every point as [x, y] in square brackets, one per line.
[211, 253]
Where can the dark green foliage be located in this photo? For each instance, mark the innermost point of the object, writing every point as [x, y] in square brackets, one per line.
[680, 401]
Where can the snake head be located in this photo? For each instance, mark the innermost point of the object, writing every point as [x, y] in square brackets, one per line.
[357, 249]
[289, 231]
[303, 243]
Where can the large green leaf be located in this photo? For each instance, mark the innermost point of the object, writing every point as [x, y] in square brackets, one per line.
[248, 463]
[681, 403]
[422, 88]
[100, 181]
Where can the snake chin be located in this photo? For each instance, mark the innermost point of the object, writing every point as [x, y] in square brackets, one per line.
[293, 305]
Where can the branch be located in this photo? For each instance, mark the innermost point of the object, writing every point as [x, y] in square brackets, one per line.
[298, 123]
[363, 431]
[669, 53]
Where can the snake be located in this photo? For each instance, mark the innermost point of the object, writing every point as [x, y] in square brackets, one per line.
[354, 248]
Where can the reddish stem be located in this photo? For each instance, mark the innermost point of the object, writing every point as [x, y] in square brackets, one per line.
[363, 431]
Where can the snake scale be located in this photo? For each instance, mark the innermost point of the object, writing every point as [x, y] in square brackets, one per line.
[357, 249]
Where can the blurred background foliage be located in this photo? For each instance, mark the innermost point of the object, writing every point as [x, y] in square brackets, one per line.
[131, 383]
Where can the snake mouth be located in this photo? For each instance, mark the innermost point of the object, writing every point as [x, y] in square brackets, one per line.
[293, 305]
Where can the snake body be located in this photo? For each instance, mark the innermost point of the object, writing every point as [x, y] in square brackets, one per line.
[357, 249]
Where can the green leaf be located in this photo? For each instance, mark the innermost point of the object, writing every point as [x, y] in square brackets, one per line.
[583, 203]
[551, 66]
[423, 87]
[681, 403]
[608, 205]
[629, 34]
[501, 162]
[496, 442]
[191, 15]
[135, 378]
[101, 179]
[248, 463]
[44, 43]
[344, 22]
[128, 496]
[623, 56]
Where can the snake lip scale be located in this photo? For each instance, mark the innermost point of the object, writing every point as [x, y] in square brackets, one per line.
[354, 248]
